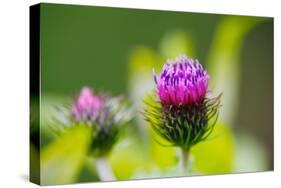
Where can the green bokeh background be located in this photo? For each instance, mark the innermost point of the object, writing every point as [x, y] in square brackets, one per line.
[115, 50]
[83, 45]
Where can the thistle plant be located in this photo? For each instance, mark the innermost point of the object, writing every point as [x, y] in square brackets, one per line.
[182, 112]
[106, 116]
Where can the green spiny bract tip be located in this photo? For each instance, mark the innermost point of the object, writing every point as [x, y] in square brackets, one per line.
[183, 125]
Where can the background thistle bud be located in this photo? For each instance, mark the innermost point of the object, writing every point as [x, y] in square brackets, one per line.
[182, 111]
[105, 115]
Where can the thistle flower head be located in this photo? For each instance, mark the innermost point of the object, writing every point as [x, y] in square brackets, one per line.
[105, 115]
[180, 111]
[182, 82]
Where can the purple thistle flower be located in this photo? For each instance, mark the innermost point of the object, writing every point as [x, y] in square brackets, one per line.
[182, 82]
[87, 106]
[182, 113]
[105, 115]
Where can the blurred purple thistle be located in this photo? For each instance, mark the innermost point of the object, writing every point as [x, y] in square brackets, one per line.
[87, 106]
[106, 116]
[182, 82]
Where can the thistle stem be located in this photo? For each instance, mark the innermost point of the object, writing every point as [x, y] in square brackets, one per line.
[104, 169]
[183, 162]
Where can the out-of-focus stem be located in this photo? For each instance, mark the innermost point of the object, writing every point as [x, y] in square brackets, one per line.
[104, 169]
[183, 162]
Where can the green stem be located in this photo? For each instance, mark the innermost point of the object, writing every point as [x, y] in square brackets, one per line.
[104, 169]
[183, 163]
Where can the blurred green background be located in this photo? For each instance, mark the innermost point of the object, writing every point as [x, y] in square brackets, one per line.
[115, 50]
[85, 45]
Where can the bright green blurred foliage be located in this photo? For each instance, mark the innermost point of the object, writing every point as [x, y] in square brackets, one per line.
[216, 154]
[163, 157]
[115, 50]
[176, 42]
[142, 60]
[63, 159]
[224, 60]
[129, 158]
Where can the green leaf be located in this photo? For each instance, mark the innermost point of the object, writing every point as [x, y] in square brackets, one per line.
[127, 157]
[63, 159]
[162, 156]
[216, 154]
[224, 60]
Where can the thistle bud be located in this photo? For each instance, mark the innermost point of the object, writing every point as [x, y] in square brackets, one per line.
[182, 111]
[105, 115]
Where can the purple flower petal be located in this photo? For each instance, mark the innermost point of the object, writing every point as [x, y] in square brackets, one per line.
[181, 82]
[87, 106]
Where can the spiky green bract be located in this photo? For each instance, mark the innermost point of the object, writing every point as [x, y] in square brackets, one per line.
[104, 138]
[183, 125]
[105, 135]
